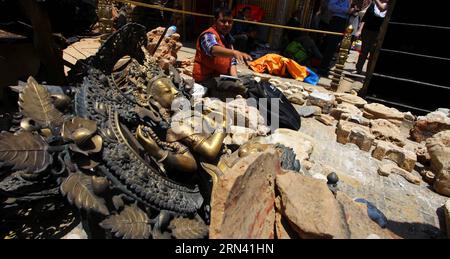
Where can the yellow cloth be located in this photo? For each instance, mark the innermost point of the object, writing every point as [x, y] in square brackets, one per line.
[278, 65]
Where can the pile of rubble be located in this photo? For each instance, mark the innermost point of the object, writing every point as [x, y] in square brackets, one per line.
[256, 197]
[288, 205]
[388, 134]
[301, 205]
[167, 51]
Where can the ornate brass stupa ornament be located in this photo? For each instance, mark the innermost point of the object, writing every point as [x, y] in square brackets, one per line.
[104, 12]
[338, 72]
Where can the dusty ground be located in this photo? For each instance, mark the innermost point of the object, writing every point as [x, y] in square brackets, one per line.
[412, 210]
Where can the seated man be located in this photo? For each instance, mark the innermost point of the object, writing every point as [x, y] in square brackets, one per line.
[294, 21]
[215, 54]
[301, 47]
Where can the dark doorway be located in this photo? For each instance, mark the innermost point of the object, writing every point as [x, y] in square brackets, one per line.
[409, 70]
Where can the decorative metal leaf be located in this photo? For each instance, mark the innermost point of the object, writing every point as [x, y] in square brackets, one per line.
[71, 126]
[15, 183]
[24, 152]
[131, 223]
[183, 228]
[78, 189]
[36, 103]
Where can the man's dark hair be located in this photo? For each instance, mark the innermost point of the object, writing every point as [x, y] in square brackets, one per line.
[246, 8]
[222, 10]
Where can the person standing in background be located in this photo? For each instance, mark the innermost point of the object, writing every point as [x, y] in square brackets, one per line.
[355, 20]
[321, 22]
[369, 29]
[340, 12]
[322, 17]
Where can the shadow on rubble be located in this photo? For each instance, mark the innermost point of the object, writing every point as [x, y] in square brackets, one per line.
[419, 230]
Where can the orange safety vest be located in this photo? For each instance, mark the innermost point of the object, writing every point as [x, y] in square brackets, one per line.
[206, 67]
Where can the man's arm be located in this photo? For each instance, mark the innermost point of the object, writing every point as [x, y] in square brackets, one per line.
[382, 6]
[233, 71]
[233, 68]
[360, 29]
[219, 51]
[212, 48]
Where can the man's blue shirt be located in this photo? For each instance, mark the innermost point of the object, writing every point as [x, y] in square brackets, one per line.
[339, 8]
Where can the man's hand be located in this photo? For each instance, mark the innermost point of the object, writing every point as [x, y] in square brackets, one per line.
[241, 57]
[382, 5]
[360, 30]
[219, 51]
[354, 10]
[149, 144]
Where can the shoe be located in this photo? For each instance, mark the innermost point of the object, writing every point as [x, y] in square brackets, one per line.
[356, 72]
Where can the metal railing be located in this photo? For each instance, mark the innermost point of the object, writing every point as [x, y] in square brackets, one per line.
[161, 8]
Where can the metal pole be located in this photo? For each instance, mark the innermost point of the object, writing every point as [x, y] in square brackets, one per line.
[160, 40]
[283, 18]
